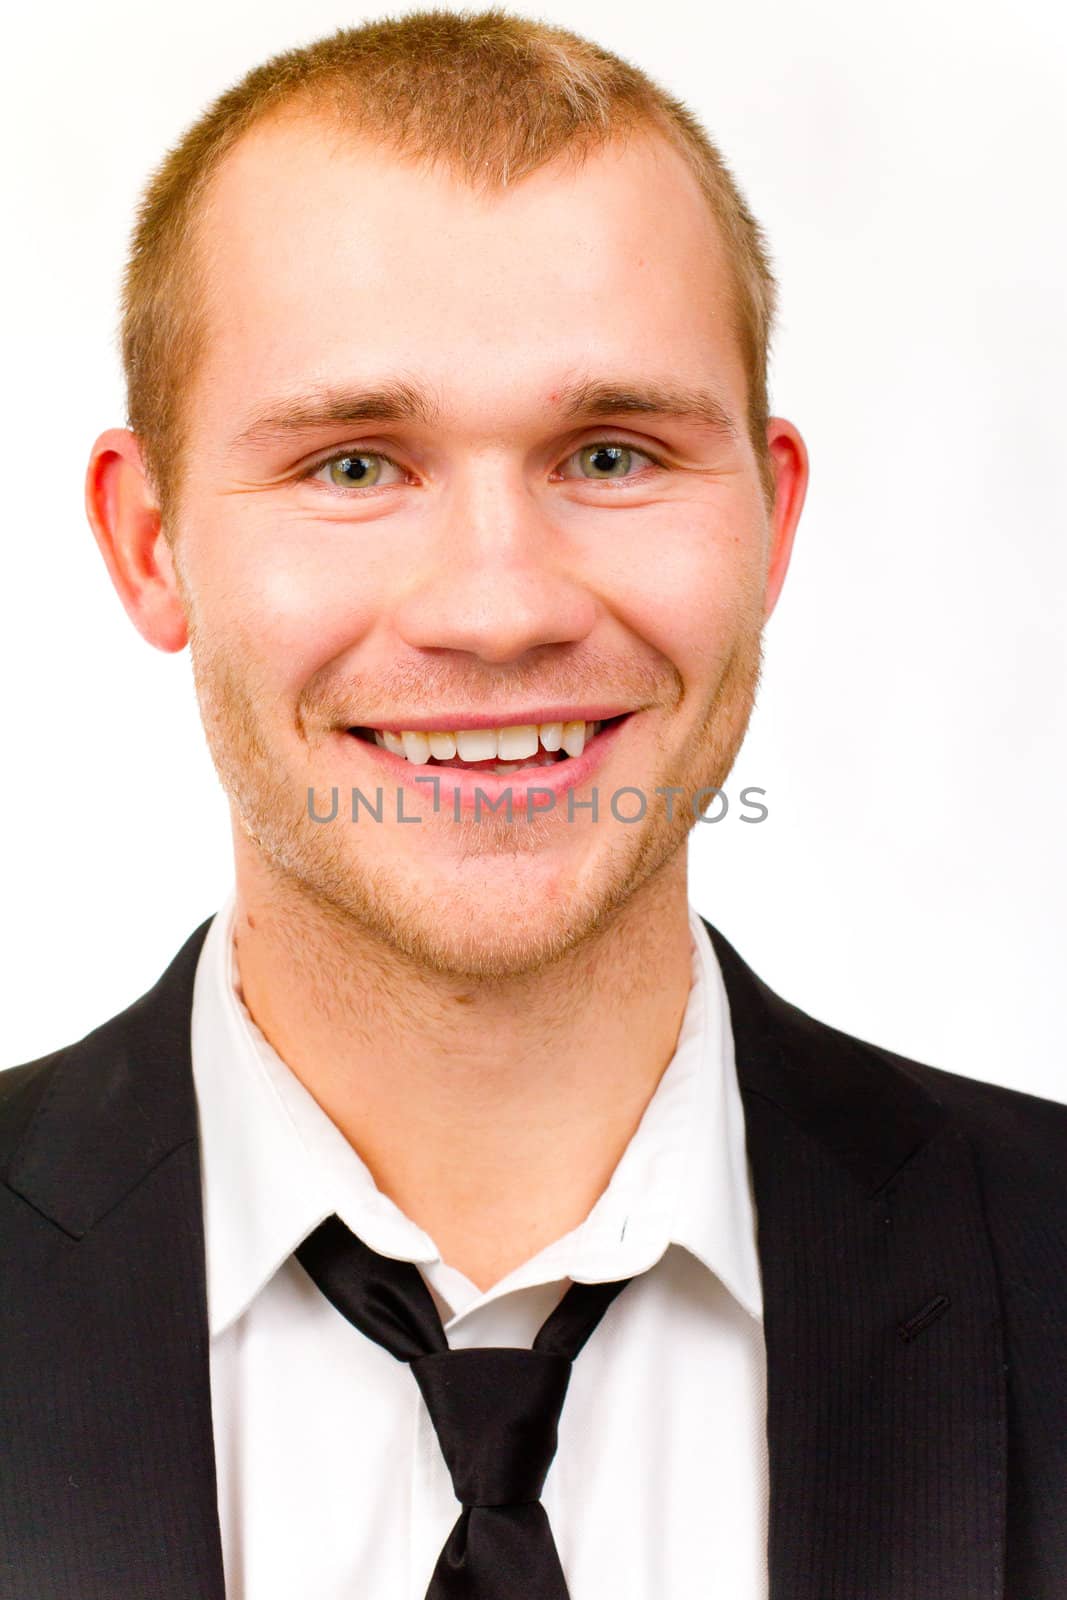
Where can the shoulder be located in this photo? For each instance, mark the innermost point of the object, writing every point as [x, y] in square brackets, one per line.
[22, 1088]
[1017, 1147]
[79, 1124]
[1019, 1142]
[1006, 1125]
[875, 1106]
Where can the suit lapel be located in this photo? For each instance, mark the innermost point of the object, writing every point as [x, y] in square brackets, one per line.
[886, 1396]
[112, 1386]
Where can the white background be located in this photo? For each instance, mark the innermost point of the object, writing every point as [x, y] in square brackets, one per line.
[907, 163]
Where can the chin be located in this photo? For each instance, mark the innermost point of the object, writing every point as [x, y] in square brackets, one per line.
[501, 917]
[490, 952]
[486, 915]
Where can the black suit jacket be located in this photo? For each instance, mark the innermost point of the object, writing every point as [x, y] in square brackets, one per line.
[913, 1248]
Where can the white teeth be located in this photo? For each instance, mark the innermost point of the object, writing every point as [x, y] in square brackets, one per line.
[416, 747]
[515, 743]
[476, 744]
[574, 737]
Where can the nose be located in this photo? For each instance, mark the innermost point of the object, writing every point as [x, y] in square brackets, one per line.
[497, 577]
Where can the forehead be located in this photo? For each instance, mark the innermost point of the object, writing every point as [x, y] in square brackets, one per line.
[329, 257]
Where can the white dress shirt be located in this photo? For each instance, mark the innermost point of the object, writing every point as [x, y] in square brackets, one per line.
[331, 1482]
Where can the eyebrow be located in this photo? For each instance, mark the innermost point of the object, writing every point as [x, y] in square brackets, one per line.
[702, 406]
[326, 407]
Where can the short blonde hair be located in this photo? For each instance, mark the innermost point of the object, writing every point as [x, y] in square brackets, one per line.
[493, 96]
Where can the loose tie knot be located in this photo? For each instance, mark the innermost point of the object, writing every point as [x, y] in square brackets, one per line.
[496, 1413]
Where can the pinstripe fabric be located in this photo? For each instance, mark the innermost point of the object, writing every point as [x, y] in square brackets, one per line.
[913, 1247]
[107, 1477]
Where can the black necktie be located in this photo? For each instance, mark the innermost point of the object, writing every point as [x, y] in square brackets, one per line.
[495, 1411]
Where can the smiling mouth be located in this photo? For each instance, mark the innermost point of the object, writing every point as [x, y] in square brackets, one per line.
[494, 750]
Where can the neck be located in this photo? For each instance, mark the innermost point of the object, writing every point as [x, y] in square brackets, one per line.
[493, 1113]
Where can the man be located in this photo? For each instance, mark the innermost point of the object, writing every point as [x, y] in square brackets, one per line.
[459, 1215]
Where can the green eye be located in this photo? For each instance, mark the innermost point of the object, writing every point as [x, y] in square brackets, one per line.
[609, 461]
[606, 460]
[360, 471]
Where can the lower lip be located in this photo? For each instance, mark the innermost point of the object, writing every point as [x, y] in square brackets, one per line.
[458, 789]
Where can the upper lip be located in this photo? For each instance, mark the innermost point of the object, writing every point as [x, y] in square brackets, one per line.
[461, 720]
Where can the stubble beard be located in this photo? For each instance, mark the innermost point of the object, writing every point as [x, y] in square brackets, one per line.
[326, 878]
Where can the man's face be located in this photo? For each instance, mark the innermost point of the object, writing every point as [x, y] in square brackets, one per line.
[536, 523]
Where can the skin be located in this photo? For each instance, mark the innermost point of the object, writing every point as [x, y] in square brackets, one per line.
[484, 1011]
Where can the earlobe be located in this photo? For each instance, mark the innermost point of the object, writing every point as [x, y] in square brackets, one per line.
[789, 456]
[122, 510]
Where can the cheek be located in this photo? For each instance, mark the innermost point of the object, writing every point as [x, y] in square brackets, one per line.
[687, 584]
[290, 603]
[309, 613]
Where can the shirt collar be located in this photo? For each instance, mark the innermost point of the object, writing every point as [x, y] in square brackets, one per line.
[273, 1165]
[716, 1215]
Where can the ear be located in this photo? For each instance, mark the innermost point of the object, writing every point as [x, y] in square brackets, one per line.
[121, 506]
[789, 458]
